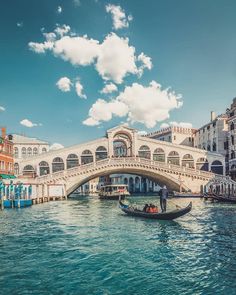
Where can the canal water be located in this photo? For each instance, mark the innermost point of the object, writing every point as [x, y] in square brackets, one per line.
[87, 246]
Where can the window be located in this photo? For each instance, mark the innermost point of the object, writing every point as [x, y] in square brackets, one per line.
[35, 151]
[16, 152]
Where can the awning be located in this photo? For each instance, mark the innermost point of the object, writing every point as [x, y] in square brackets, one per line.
[7, 176]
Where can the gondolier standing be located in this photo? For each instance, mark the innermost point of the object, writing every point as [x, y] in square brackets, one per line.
[163, 198]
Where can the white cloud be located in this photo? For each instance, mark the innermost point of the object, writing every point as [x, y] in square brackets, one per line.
[109, 88]
[182, 124]
[177, 124]
[146, 62]
[118, 16]
[29, 124]
[64, 84]
[59, 9]
[77, 50]
[2, 109]
[19, 24]
[147, 105]
[164, 125]
[40, 47]
[56, 146]
[79, 89]
[114, 58]
[62, 30]
[102, 110]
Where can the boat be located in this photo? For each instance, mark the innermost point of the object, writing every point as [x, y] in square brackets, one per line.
[161, 216]
[187, 195]
[113, 191]
[222, 199]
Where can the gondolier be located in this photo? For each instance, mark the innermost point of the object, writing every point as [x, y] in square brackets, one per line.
[163, 198]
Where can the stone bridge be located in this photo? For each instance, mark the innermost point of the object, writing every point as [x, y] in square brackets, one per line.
[124, 150]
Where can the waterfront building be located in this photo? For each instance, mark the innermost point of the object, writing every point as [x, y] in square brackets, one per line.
[24, 147]
[231, 112]
[136, 183]
[175, 134]
[6, 155]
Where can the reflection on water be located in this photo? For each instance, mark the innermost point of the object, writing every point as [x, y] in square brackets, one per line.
[88, 246]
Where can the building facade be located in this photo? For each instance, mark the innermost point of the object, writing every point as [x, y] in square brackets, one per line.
[6, 155]
[24, 147]
[231, 112]
[175, 134]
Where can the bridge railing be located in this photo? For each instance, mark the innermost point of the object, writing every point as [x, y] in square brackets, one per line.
[124, 160]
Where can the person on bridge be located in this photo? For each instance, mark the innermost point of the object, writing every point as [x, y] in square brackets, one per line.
[163, 198]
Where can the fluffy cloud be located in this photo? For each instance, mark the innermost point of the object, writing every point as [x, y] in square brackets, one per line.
[2, 109]
[118, 16]
[178, 124]
[79, 51]
[102, 110]
[79, 89]
[64, 84]
[29, 124]
[40, 47]
[114, 58]
[146, 62]
[56, 146]
[146, 105]
[59, 9]
[109, 88]
[62, 30]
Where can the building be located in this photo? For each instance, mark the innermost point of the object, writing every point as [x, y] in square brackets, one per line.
[6, 155]
[136, 183]
[231, 112]
[24, 147]
[213, 136]
[175, 134]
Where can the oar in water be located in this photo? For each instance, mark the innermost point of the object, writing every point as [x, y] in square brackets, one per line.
[182, 208]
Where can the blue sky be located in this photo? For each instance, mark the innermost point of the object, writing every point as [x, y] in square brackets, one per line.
[188, 46]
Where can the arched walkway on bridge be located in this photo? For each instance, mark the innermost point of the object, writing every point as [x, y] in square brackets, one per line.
[173, 158]
[57, 164]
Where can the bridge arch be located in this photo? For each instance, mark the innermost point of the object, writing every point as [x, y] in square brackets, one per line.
[44, 168]
[144, 152]
[72, 161]
[159, 155]
[188, 161]
[217, 167]
[101, 153]
[57, 164]
[86, 157]
[173, 158]
[28, 170]
[202, 164]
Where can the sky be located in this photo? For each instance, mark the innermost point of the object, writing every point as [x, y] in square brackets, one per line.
[70, 70]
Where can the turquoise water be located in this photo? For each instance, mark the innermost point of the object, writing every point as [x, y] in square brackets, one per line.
[87, 246]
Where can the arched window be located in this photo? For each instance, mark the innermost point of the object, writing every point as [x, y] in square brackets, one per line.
[44, 168]
[29, 151]
[122, 145]
[101, 153]
[137, 184]
[72, 161]
[159, 155]
[232, 154]
[23, 152]
[57, 164]
[86, 157]
[16, 169]
[44, 150]
[16, 152]
[28, 171]
[173, 158]
[35, 151]
[217, 167]
[188, 161]
[144, 152]
[202, 164]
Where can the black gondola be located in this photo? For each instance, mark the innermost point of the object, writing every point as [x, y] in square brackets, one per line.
[221, 199]
[161, 216]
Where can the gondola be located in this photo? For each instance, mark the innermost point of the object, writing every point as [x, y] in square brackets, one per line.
[161, 216]
[221, 199]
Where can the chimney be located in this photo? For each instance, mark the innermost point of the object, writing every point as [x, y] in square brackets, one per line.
[3, 132]
[213, 116]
